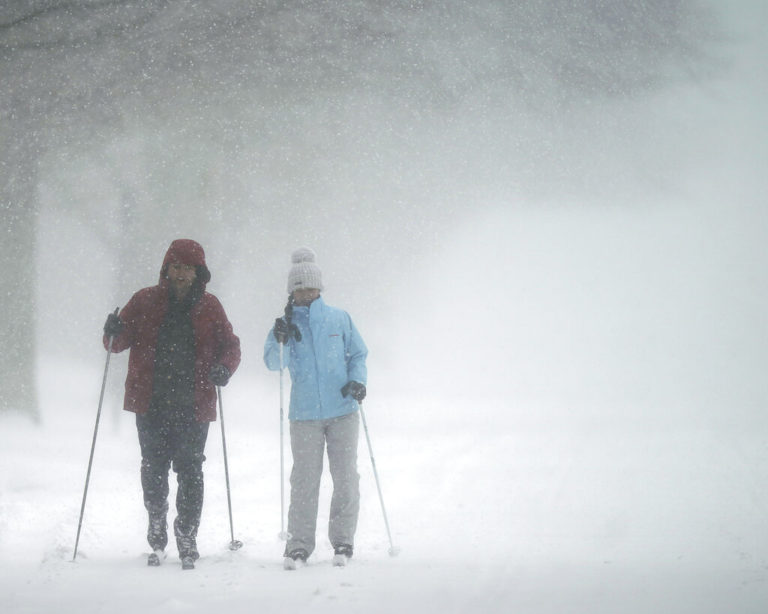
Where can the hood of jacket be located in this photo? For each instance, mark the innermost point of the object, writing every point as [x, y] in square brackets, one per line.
[185, 251]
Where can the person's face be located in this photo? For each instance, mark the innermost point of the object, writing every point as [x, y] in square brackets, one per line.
[181, 276]
[304, 296]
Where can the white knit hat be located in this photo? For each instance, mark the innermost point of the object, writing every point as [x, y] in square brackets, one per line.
[304, 272]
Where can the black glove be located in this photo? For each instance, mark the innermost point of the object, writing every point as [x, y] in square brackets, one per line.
[292, 328]
[220, 375]
[354, 389]
[113, 326]
[281, 330]
[284, 331]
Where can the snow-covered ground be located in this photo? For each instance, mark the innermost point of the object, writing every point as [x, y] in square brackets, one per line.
[576, 518]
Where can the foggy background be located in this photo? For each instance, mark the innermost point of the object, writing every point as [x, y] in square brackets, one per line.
[547, 220]
[560, 205]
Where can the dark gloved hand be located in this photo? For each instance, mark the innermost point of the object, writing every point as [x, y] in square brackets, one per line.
[284, 331]
[354, 389]
[281, 330]
[220, 375]
[113, 326]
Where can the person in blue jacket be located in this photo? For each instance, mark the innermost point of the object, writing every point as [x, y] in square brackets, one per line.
[325, 356]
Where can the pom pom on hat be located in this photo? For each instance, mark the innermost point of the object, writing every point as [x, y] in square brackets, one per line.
[304, 273]
[303, 254]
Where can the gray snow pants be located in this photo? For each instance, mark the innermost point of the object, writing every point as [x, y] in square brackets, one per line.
[308, 441]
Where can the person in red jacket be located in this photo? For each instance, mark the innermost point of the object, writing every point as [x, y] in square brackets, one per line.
[181, 348]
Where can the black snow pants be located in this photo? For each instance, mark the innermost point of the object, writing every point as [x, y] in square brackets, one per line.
[173, 439]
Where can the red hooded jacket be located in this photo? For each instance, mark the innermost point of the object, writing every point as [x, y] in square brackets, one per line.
[215, 342]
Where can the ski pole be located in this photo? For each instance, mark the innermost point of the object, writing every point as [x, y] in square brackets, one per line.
[283, 535]
[393, 551]
[93, 443]
[235, 544]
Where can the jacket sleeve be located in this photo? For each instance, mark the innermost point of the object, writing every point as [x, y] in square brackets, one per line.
[356, 353]
[228, 341]
[272, 353]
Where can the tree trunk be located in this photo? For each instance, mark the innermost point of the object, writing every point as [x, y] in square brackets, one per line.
[18, 208]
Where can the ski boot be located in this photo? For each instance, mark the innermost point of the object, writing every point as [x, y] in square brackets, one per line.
[157, 536]
[155, 558]
[341, 555]
[295, 558]
[187, 551]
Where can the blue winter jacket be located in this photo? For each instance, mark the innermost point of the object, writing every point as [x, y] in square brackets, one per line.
[330, 354]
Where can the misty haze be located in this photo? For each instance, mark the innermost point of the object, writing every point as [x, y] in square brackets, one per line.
[547, 219]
